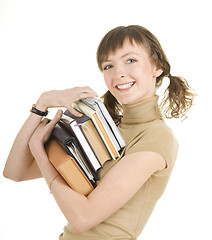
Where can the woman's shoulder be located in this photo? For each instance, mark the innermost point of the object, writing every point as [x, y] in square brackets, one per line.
[156, 137]
[159, 128]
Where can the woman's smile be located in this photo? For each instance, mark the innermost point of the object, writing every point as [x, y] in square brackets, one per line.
[125, 86]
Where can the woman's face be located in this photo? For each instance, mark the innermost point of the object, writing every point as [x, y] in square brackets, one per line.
[129, 74]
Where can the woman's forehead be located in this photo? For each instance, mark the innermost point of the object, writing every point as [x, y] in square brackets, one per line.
[128, 47]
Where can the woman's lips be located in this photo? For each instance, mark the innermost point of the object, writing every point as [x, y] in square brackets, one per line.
[125, 86]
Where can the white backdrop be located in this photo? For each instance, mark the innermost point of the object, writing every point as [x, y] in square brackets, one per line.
[50, 44]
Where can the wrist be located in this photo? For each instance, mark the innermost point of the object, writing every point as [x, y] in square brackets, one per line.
[36, 111]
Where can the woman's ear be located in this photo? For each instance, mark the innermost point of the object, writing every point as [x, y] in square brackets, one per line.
[157, 72]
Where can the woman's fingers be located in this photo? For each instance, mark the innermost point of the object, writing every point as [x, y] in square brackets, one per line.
[65, 98]
[74, 112]
[58, 115]
[56, 118]
[88, 92]
[48, 126]
[80, 93]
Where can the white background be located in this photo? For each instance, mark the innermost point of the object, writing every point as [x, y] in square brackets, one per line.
[49, 44]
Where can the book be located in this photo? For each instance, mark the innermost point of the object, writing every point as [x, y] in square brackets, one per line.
[83, 108]
[98, 105]
[86, 125]
[96, 142]
[74, 126]
[68, 168]
[70, 144]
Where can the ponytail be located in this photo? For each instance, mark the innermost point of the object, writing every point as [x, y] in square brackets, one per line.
[178, 98]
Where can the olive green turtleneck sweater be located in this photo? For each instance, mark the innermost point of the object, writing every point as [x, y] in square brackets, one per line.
[143, 130]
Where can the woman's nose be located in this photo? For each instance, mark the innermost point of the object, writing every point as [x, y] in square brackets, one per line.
[120, 72]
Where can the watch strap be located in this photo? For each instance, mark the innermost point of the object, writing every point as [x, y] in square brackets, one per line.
[38, 112]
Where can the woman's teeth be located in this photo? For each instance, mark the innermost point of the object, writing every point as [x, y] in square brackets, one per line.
[125, 86]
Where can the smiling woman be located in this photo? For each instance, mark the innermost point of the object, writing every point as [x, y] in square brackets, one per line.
[133, 64]
[136, 45]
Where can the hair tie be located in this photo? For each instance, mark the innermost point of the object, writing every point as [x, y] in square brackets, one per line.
[168, 75]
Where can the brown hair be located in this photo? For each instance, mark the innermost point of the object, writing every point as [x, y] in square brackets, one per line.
[178, 97]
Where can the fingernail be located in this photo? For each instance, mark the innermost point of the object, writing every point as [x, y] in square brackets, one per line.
[79, 115]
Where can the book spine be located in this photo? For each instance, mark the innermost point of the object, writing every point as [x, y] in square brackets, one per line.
[86, 147]
[111, 123]
[108, 128]
[105, 137]
[97, 144]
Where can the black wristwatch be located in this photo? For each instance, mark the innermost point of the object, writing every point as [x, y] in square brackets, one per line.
[38, 112]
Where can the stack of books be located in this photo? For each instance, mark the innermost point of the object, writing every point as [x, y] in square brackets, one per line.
[80, 146]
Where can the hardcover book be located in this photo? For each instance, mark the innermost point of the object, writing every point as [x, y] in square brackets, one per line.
[68, 168]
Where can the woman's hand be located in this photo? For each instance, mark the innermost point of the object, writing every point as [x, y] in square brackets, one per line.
[42, 133]
[29, 143]
[64, 98]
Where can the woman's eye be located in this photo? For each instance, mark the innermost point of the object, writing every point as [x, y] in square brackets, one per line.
[131, 60]
[107, 67]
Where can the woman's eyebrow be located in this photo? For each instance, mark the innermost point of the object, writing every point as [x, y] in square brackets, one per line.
[106, 60]
[123, 56]
[129, 53]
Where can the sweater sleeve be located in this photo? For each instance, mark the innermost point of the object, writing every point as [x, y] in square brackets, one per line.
[159, 139]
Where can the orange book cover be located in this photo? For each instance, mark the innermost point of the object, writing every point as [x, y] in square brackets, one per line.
[106, 137]
[96, 142]
[68, 168]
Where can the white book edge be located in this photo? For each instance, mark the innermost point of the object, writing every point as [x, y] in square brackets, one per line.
[83, 142]
[84, 167]
[109, 131]
[113, 126]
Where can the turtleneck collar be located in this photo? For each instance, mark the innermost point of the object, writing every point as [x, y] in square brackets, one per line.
[142, 112]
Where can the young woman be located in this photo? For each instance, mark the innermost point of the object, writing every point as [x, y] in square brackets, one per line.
[133, 65]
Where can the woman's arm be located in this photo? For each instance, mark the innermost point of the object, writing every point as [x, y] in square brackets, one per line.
[114, 190]
[20, 164]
